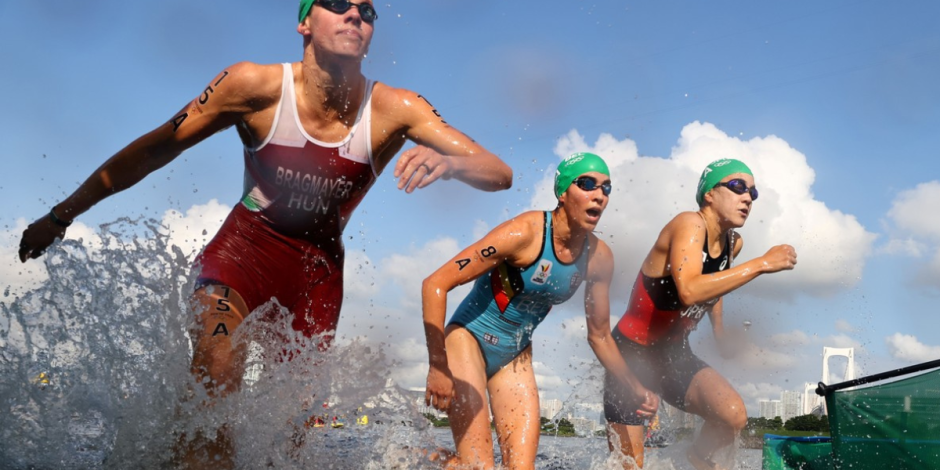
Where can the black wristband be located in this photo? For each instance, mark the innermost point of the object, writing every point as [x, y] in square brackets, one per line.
[57, 220]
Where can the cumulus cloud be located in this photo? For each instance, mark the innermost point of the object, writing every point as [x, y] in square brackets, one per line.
[845, 327]
[649, 191]
[193, 230]
[909, 348]
[915, 231]
[790, 339]
[16, 277]
[408, 270]
[754, 392]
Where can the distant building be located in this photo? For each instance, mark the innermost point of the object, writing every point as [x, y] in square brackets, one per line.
[550, 408]
[792, 403]
[770, 409]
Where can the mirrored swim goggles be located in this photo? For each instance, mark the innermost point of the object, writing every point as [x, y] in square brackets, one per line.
[587, 183]
[738, 186]
[366, 10]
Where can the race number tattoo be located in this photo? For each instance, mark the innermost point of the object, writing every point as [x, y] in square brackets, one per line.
[488, 251]
[463, 263]
[433, 110]
[220, 329]
[203, 99]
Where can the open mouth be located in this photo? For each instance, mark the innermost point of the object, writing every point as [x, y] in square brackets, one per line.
[594, 213]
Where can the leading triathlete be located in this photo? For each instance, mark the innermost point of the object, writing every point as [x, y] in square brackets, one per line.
[316, 134]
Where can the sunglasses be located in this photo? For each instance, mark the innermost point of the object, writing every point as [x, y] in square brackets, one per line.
[366, 10]
[738, 186]
[590, 184]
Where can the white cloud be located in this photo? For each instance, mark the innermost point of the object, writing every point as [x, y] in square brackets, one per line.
[845, 327]
[193, 231]
[765, 360]
[913, 210]
[574, 328]
[407, 271]
[649, 191]
[480, 228]
[361, 279]
[909, 348]
[754, 392]
[791, 339]
[841, 341]
[17, 277]
[548, 380]
[916, 230]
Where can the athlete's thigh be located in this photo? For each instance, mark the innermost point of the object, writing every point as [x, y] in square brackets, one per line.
[514, 397]
[219, 311]
[712, 397]
[469, 419]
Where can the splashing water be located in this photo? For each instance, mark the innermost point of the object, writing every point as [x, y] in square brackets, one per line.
[94, 370]
[95, 373]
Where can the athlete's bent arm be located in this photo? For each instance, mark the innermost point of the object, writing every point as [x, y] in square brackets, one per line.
[597, 310]
[687, 232]
[207, 114]
[474, 261]
[455, 155]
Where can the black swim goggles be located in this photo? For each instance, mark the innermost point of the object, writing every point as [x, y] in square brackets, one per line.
[738, 186]
[366, 10]
[590, 184]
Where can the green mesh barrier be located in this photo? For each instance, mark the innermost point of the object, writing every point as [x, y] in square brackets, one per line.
[796, 453]
[893, 425]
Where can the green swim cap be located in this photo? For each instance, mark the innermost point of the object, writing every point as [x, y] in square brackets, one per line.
[574, 166]
[305, 6]
[717, 171]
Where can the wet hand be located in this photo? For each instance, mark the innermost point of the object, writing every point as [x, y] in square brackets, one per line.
[650, 402]
[38, 236]
[779, 258]
[440, 389]
[420, 166]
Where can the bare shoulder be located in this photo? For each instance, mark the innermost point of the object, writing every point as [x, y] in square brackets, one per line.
[401, 106]
[255, 85]
[601, 262]
[385, 97]
[599, 248]
[688, 219]
[738, 242]
[527, 225]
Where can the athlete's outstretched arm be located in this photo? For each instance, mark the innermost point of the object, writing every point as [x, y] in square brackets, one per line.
[597, 310]
[220, 105]
[443, 151]
[504, 243]
[685, 238]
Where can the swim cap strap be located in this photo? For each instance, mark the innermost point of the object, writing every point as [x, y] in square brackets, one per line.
[717, 171]
[574, 166]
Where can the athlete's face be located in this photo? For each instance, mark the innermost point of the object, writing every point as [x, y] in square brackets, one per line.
[342, 34]
[585, 200]
[730, 206]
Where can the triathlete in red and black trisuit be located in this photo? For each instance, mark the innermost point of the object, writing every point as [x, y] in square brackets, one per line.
[653, 336]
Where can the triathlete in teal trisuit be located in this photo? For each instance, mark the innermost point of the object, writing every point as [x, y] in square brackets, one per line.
[523, 267]
[507, 304]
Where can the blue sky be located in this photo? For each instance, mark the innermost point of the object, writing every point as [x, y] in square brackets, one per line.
[836, 102]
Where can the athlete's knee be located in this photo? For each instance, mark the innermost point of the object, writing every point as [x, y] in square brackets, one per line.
[738, 419]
